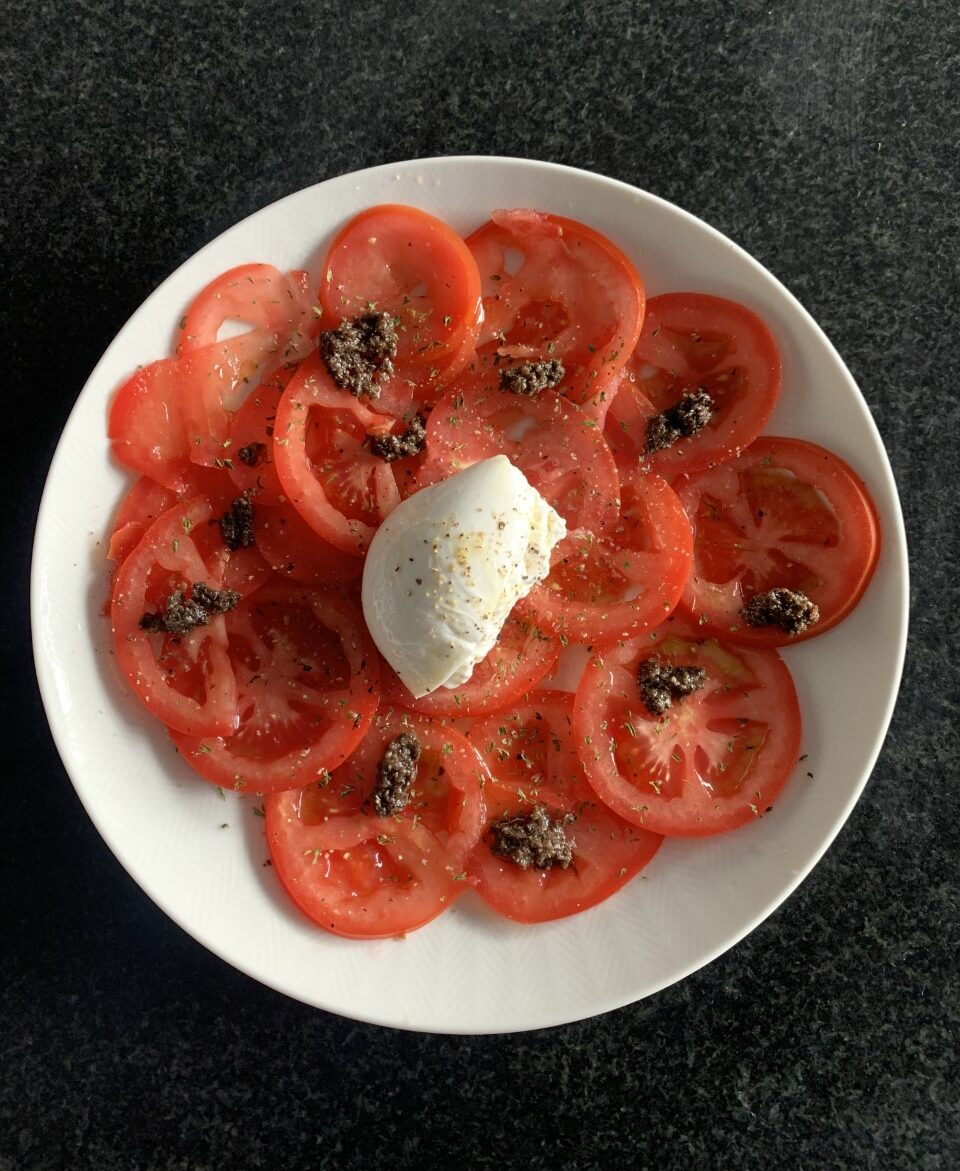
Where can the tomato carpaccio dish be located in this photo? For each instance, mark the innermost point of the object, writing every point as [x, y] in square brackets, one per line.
[472, 563]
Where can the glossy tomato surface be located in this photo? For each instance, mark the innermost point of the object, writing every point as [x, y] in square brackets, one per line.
[715, 760]
[785, 514]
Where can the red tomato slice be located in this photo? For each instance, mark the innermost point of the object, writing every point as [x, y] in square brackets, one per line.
[533, 761]
[786, 513]
[251, 432]
[141, 506]
[558, 447]
[257, 295]
[413, 266]
[213, 383]
[601, 590]
[187, 682]
[307, 685]
[292, 548]
[554, 288]
[364, 876]
[521, 657]
[715, 760]
[146, 426]
[691, 340]
[325, 464]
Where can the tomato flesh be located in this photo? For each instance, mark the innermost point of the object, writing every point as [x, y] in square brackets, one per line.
[788, 514]
[601, 589]
[356, 874]
[715, 760]
[532, 759]
[692, 341]
[307, 686]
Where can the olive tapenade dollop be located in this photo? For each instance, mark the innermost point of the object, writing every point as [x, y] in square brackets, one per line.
[236, 525]
[252, 454]
[791, 610]
[660, 683]
[685, 418]
[532, 377]
[410, 442]
[534, 840]
[359, 352]
[181, 614]
[395, 774]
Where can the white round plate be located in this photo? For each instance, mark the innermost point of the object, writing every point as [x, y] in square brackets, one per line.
[468, 971]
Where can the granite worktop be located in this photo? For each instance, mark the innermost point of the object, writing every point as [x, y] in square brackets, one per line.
[822, 136]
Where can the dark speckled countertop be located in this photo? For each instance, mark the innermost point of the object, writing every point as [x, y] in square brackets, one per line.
[822, 136]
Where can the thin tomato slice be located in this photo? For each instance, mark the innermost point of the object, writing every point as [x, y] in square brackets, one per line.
[213, 383]
[715, 760]
[186, 681]
[533, 762]
[294, 550]
[356, 874]
[692, 341]
[603, 589]
[250, 450]
[404, 262]
[307, 686]
[522, 655]
[141, 506]
[322, 455]
[258, 296]
[555, 288]
[146, 425]
[786, 513]
[558, 447]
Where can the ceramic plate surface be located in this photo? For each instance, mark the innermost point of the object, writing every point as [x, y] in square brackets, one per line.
[468, 971]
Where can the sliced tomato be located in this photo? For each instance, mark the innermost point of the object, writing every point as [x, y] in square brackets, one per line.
[715, 760]
[554, 288]
[604, 589]
[307, 686]
[401, 261]
[213, 382]
[146, 427]
[522, 655]
[324, 461]
[141, 506]
[258, 296]
[558, 447]
[692, 341]
[250, 451]
[356, 874]
[533, 761]
[786, 513]
[293, 549]
[186, 681]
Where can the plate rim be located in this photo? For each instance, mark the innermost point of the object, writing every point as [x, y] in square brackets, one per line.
[894, 541]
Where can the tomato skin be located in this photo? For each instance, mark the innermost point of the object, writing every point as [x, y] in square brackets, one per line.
[587, 596]
[325, 465]
[715, 760]
[692, 340]
[827, 547]
[575, 297]
[532, 758]
[167, 557]
[414, 266]
[345, 868]
[290, 730]
[522, 656]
